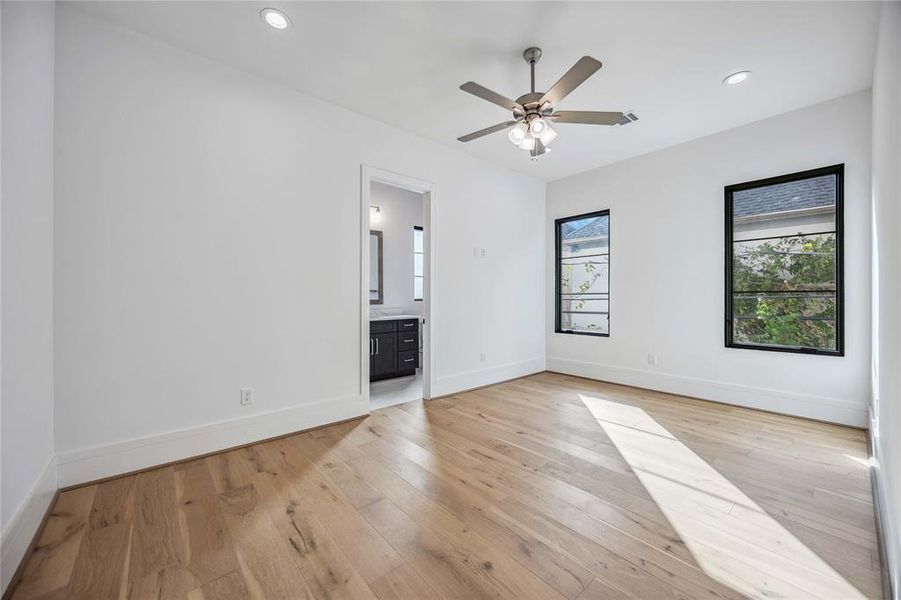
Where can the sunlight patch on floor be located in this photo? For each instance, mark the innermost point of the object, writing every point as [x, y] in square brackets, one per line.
[732, 539]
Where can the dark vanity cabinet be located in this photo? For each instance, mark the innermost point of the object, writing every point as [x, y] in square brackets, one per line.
[393, 348]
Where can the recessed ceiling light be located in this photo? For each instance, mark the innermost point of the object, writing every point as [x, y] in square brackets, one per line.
[737, 77]
[275, 18]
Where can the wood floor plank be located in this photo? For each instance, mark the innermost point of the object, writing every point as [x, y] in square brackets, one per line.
[491, 472]
[210, 554]
[371, 555]
[113, 503]
[652, 559]
[598, 590]
[497, 564]
[326, 569]
[157, 539]
[50, 563]
[227, 587]
[404, 583]
[99, 569]
[560, 572]
[451, 574]
[264, 555]
[526, 489]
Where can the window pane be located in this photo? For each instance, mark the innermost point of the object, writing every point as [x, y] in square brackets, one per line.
[787, 263]
[584, 275]
[581, 322]
[796, 319]
[594, 304]
[803, 206]
[584, 237]
[583, 257]
[418, 271]
[784, 263]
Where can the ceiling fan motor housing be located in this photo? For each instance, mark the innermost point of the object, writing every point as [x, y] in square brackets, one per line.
[532, 109]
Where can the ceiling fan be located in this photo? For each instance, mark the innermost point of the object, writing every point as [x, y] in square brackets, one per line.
[533, 112]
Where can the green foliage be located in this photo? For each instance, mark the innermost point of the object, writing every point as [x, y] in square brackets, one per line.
[783, 292]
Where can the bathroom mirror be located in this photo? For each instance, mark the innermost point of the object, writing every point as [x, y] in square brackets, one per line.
[376, 290]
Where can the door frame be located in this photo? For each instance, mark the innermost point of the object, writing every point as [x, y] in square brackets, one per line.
[427, 189]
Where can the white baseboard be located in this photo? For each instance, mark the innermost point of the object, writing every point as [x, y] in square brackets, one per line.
[451, 384]
[89, 464]
[886, 521]
[833, 410]
[17, 535]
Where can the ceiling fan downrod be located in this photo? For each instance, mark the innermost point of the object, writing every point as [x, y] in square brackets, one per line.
[531, 56]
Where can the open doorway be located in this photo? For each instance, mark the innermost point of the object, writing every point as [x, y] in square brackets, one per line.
[396, 303]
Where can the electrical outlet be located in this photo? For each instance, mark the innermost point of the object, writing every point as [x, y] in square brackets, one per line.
[483, 358]
[652, 359]
[246, 396]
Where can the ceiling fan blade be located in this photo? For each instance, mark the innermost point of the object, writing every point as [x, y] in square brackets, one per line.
[485, 94]
[483, 132]
[589, 117]
[576, 76]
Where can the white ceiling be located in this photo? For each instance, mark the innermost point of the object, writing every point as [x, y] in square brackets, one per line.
[402, 63]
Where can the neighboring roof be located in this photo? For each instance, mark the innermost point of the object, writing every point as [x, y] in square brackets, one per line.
[594, 227]
[781, 197]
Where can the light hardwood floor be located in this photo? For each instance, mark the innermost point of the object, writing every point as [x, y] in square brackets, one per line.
[547, 487]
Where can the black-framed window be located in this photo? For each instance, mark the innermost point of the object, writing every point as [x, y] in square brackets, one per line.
[418, 268]
[784, 280]
[582, 261]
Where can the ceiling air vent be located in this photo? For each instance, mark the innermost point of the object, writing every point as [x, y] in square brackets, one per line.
[628, 117]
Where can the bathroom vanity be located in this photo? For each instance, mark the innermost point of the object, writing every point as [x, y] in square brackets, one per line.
[393, 346]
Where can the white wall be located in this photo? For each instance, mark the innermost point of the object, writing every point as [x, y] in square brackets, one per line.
[200, 214]
[886, 187]
[667, 241]
[28, 469]
[401, 210]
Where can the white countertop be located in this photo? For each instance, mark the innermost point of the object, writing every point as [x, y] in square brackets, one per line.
[393, 317]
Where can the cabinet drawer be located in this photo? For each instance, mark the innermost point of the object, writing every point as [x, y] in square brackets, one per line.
[382, 326]
[407, 360]
[408, 340]
[407, 325]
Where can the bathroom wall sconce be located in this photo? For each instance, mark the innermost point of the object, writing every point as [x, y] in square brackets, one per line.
[375, 213]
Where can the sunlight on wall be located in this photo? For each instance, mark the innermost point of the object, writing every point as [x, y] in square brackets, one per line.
[733, 540]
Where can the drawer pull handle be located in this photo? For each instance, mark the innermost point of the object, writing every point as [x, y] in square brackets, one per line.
[408, 360]
[409, 340]
[409, 324]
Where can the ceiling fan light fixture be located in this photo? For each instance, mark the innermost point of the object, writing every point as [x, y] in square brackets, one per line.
[275, 18]
[547, 135]
[537, 126]
[528, 143]
[518, 134]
